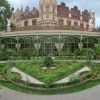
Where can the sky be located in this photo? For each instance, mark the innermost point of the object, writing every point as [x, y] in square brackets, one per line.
[82, 4]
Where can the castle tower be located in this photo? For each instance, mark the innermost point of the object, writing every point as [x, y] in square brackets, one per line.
[48, 13]
[93, 18]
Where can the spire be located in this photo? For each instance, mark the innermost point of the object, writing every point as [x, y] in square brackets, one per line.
[21, 8]
[27, 6]
[90, 13]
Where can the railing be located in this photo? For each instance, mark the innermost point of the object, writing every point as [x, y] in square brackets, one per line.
[63, 27]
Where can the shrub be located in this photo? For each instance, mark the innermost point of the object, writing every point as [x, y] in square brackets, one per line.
[48, 61]
[15, 77]
[5, 55]
[73, 78]
[24, 53]
[12, 25]
[27, 82]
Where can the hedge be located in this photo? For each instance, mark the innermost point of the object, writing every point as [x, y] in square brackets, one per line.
[39, 89]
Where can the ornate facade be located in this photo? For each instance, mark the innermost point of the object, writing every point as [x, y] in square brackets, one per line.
[51, 14]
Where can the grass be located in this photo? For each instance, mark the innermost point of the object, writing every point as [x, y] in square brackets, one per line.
[2, 65]
[76, 89]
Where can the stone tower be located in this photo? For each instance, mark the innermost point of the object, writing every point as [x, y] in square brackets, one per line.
[93, 18]
[48, 13]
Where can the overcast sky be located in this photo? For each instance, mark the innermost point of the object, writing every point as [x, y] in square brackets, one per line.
[82, 4]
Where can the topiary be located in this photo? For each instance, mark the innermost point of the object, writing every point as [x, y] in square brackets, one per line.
[48, 61]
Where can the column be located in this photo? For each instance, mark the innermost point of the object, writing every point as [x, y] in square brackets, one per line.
[59, 46]
[17, 45]
[81, 44]
[0, 43]
[37, 47]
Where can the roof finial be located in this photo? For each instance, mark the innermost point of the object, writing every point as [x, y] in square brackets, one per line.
[93, 10]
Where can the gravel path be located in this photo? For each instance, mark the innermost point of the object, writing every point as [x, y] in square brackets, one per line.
[25, 76]
[66, 79]
[89, 94]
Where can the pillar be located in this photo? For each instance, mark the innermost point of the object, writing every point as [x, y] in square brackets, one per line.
[17, 45]
[81, 44]
[59, 46]
[37, 47]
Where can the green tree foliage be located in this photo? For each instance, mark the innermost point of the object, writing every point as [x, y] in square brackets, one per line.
[5, 13]
[12, 25]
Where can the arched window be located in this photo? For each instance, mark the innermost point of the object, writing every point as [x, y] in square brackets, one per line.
[48, 45]
[26, 23]
[9, 43]
[89, 42]
[70, 43]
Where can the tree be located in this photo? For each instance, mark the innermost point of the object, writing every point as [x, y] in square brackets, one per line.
[5, 12]
[12, 25]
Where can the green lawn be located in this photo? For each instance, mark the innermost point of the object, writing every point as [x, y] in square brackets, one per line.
[75, 89]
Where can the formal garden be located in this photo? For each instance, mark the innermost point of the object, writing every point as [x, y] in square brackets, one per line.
[48, 74]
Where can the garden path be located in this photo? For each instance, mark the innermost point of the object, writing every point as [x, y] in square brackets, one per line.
[66, 79]
[25, 76]
[88, 94]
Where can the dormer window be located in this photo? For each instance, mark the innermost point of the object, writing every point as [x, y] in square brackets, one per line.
[47, 9]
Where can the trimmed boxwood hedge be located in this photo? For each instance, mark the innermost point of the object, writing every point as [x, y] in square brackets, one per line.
[40, 89]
